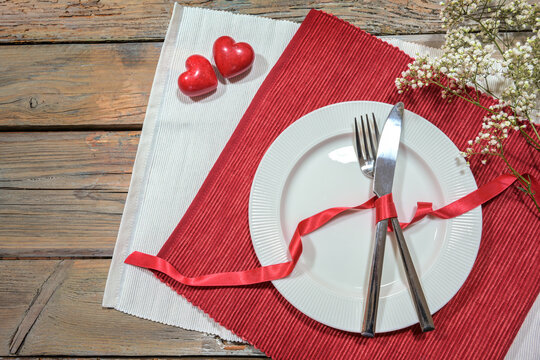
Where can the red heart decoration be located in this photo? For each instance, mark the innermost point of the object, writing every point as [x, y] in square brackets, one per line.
[232, 58]
[199, 78]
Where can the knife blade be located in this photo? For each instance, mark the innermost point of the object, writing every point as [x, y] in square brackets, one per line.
[385, 165]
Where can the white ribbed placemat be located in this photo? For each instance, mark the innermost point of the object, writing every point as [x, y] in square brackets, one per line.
[180, 141]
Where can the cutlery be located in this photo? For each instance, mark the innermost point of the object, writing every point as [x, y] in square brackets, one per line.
[382, 170]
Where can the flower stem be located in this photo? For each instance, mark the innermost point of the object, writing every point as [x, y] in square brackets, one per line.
[492, 36]
[526, 183]
[530, 140]
[537, 145]
[461, 96]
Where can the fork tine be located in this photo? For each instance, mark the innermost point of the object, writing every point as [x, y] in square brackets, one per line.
[364, 149]
[367, 139]
[371, 136]
[357, 140]
[376, 132]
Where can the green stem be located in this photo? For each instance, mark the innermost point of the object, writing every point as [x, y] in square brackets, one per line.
[531, 123]
[486, 90]
[476, 84]
[463, 97]
[493, 37]
[529, 139]
[526, 183]
[534, 129]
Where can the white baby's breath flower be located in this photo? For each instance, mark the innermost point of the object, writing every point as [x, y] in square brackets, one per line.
[472, 37]
[467, 60]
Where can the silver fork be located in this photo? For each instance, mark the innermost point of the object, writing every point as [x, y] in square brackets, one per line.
[366, 146]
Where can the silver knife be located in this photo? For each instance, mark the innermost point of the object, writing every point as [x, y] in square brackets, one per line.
[382, 184]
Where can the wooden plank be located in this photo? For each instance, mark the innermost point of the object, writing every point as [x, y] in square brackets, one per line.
[62, 193]
[73, 323]
[90, 86]
[121, 20]
[38, 304]
[18, 289]
[76, 85]
[59, 223]
[67, 160]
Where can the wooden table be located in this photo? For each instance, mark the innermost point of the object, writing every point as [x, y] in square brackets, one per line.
[75, 77]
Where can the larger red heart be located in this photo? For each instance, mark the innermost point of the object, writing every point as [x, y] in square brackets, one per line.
[199, 77]
[232, 58]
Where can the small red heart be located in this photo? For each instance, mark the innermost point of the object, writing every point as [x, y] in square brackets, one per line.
[232, 58]
[199, 78]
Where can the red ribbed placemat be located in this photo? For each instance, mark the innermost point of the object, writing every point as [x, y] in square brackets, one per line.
[330, 61]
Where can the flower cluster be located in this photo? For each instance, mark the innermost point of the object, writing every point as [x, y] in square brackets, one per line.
[522, 65]
[495, 128]
[519, 14]
[488, 15]
[465, 59]
[475, 50]
[454, 12]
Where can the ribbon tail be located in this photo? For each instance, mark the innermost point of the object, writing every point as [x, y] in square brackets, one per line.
[252, 276]
[247, 277]
[478, 197]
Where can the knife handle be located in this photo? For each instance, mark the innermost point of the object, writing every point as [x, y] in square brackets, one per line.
[372, 297]
[419, 300]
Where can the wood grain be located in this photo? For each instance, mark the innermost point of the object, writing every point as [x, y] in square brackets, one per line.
[37, 305]
[76, 85]
[62, 193]
[18, 288]
[132, 20]
[67, 160]
[59, 223]
[90, 86]
[73, 323]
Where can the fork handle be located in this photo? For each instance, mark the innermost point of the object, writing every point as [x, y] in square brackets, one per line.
[419, 300]
[372, 297]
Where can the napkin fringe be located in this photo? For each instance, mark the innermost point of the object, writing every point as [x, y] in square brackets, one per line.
[171, 284]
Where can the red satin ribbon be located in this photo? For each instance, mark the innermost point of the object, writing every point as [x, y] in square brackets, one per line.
[384, 207]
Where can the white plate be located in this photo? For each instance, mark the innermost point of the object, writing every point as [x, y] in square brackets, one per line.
[312, 166]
